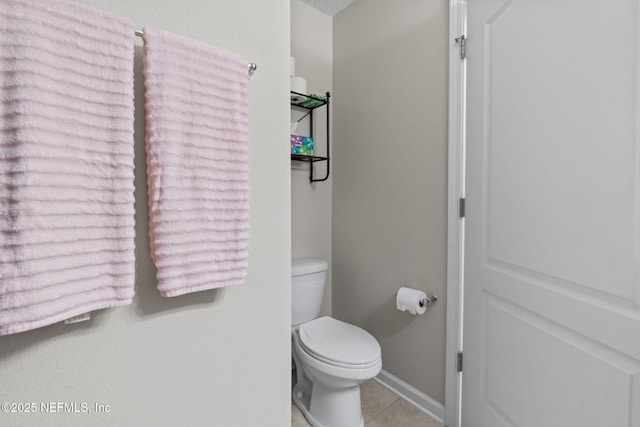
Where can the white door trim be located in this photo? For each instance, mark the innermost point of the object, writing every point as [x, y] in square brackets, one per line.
[455, 225]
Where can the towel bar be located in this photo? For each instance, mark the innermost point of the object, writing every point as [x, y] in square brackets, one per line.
[252, 65]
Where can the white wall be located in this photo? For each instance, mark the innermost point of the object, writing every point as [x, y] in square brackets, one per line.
[312, 46]
[205, 358]
[390, 178]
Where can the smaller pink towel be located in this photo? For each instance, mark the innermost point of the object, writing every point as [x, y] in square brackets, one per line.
[197, 137]
[66, 162]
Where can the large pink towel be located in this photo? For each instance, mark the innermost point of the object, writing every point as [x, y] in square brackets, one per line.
[66, 162]
[196, 104]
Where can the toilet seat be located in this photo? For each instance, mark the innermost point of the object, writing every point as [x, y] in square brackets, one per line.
[338, 343]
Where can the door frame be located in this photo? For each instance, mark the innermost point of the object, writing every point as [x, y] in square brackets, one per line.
[455, 224]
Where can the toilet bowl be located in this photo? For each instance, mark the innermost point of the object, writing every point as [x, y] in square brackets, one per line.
[335, 358]
[332, 357]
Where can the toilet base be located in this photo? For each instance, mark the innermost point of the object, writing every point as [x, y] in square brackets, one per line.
[329, 407]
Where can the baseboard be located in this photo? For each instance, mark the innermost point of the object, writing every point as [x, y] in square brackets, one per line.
[412, 395]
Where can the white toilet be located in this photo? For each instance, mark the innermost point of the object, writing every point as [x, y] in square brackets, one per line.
[332, 357]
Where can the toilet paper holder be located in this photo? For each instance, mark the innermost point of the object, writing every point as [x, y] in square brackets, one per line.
[429, 300]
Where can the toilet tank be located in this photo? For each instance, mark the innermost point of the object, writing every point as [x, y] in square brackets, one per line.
[307, 288]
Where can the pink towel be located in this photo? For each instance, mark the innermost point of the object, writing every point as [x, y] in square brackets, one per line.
[66, 162]
[196, 104]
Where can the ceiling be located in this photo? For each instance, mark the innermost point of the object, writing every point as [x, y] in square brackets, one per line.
[329, 7]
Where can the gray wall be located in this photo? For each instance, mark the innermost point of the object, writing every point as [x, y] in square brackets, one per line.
[311, 45]
[389, 194]
[205, 358]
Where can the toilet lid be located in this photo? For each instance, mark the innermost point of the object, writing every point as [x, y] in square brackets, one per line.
[340, 343]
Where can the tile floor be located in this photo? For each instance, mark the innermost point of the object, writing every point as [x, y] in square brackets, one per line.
[380, 408]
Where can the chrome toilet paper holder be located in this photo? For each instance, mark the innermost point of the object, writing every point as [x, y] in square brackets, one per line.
[428, 301]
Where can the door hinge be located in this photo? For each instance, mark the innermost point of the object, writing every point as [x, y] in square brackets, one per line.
[462, 207]
[463, 46]
[459, 362]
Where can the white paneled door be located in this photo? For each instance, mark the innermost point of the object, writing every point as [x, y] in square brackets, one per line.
[552, 258]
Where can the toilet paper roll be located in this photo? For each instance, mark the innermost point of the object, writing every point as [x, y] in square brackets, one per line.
[292, 66]
[299, 84]
[409, 299]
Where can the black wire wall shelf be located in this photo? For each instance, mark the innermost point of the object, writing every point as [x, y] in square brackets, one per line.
[311, 103]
